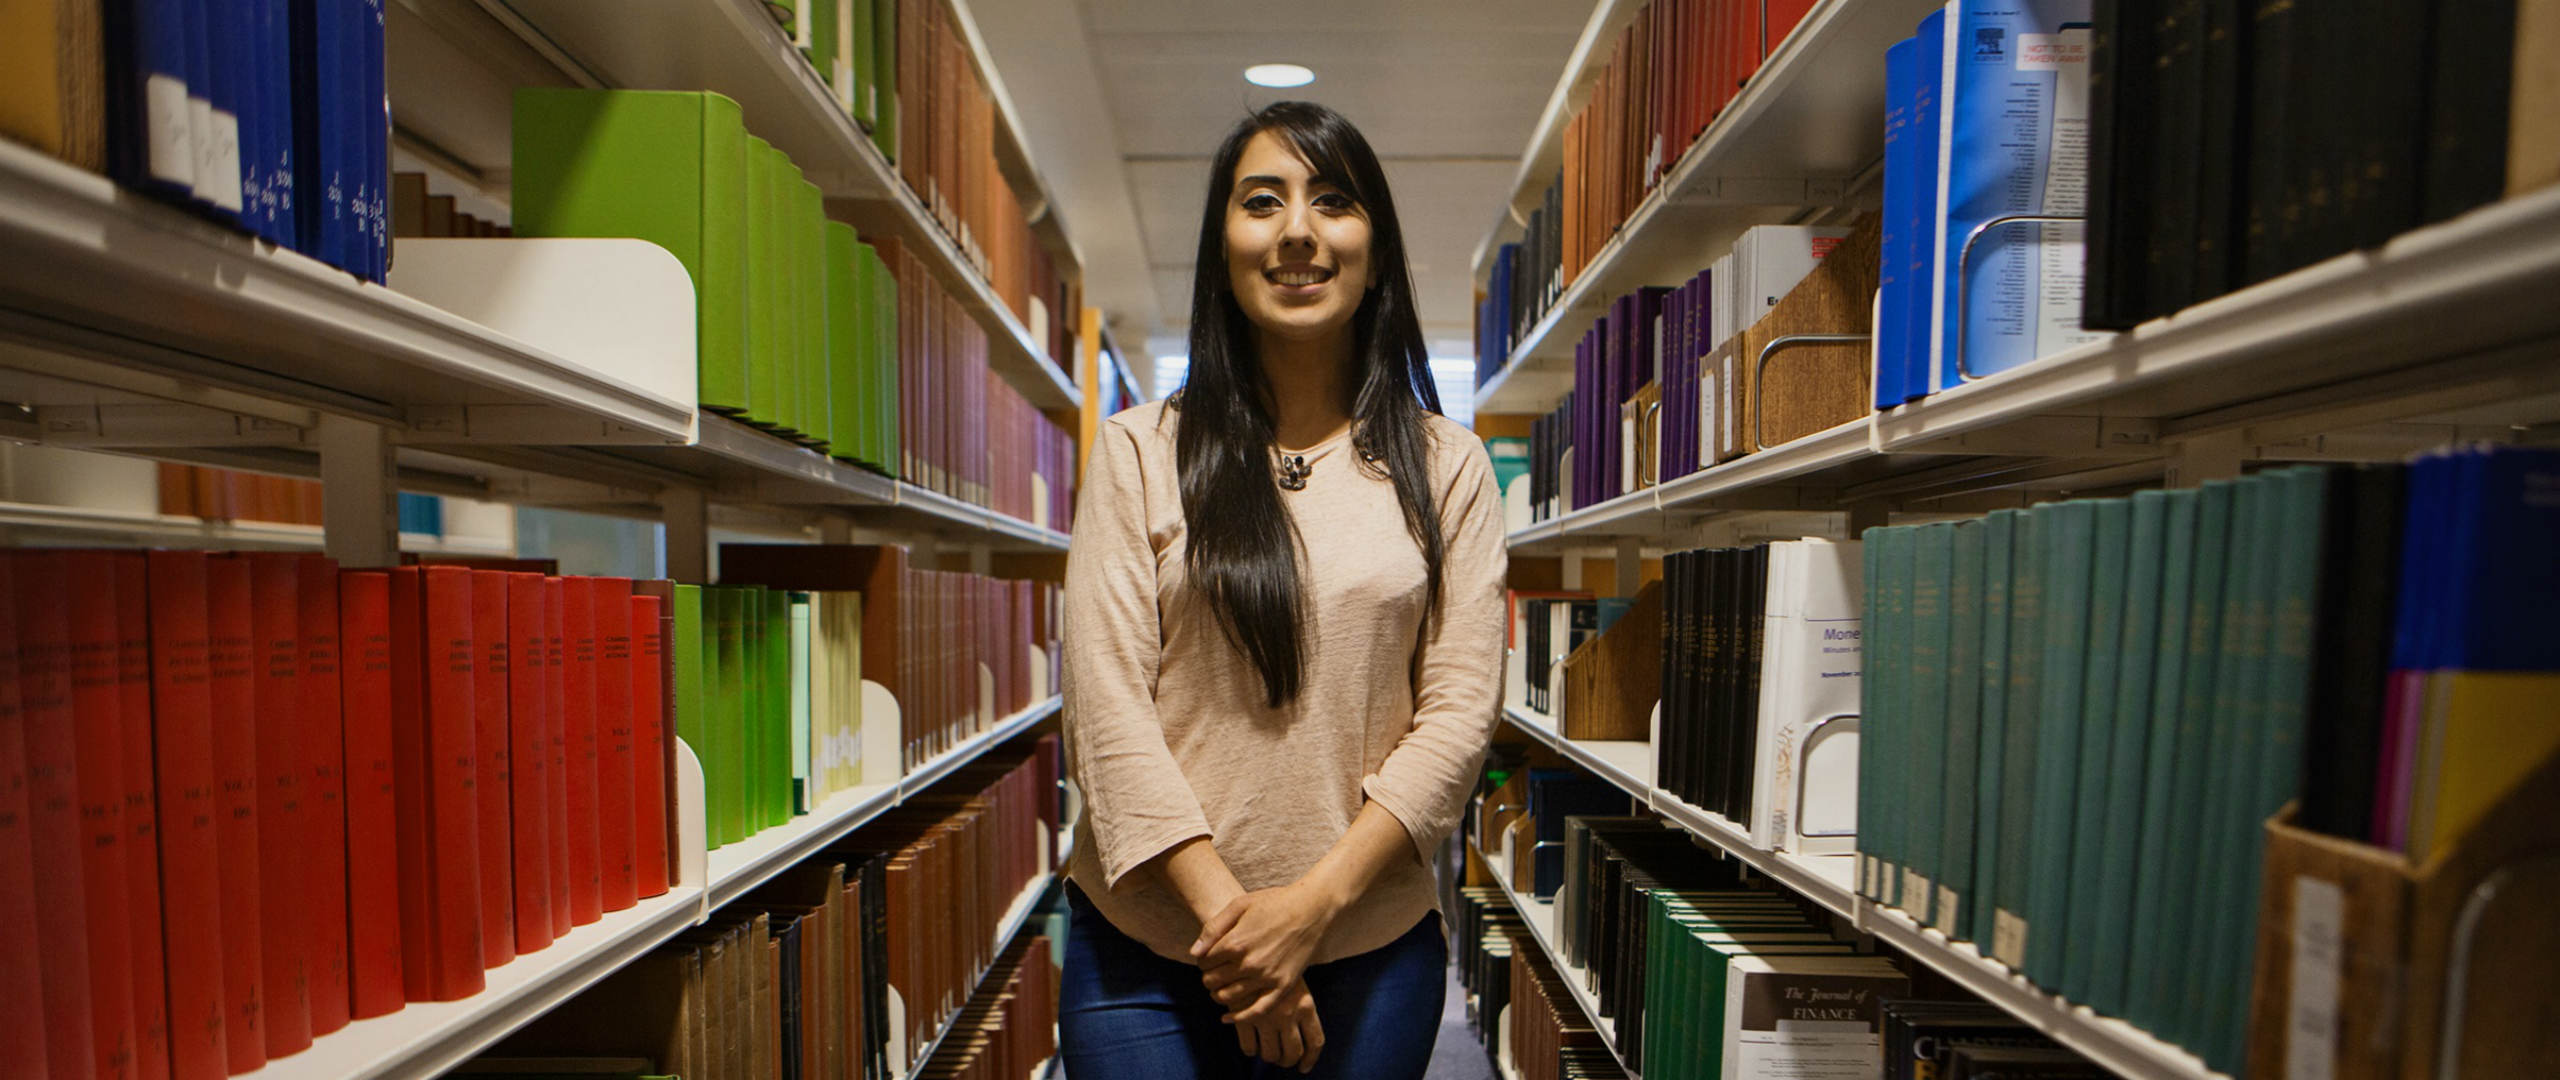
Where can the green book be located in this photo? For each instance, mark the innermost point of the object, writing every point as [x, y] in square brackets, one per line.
[2120, 827]
[1962, 733]
[2099, 671]
[729, 718]
[2067, 534]
[748, 604]
[778, 806]
[2010, 888]
[860, 50]
[666, 167]
[1999, 544]
[2152, 914]
[819, 41]
[2240, 721]
[1920, 747]
[1893, 548]
[884, 77]
[791, 255]
[689, 688]
[811, 233]
[1871, 689]
[883, 321]
[763, 294]
[802, 787]
[843, 313]
[2212, 642]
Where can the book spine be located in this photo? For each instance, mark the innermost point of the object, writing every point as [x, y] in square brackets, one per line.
[555, 727]
[653, 736]
[283, 822]
[529, 758]
[232, 664]
[323, 863]
[493, 751]
[374, 904]
[615, 769]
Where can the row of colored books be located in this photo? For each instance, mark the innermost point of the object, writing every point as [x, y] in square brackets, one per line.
[270, 117]
[1534, 803]
[844, 964]
[268, 796]
[1669, 381]
[1011, 1028]
[2081, 715]
[795, 319]
[201, 491]
[958, 651]
[415, 211]
[963, 430]
[2229, 145]
[768, 697]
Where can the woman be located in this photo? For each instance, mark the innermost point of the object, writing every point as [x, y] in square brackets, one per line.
[1284, 609]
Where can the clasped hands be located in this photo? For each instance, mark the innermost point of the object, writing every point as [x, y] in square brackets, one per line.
[1253, 957]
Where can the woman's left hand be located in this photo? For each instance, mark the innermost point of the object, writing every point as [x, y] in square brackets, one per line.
[1261, 942]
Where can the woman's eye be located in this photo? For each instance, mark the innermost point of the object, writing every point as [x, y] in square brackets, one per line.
[1333, 201]
[1262, 201]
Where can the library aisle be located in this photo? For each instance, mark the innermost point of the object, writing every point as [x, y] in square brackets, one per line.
[534, 533]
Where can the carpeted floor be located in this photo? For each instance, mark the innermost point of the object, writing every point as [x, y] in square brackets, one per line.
[1459, 1055]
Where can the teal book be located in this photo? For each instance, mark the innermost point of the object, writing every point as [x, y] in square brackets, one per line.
[2153, 918]
[1963, 733]
[2202, 789]
[2221, 569]
[662, 166]
[1892, 838]
[1873, 718]
[690, 689]
[1999, 545]
[764, 292]
[1920, 747]
[809, 235]
[2018, 743]
[2067, 534]
[2233, 731]
[2127, 769]
[844, 375]
[2098, 676]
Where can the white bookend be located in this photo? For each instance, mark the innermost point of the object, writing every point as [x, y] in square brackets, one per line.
[882, 725]
[1804, 793]
[1040, 688]
[620, 308]
[1040, 501]
[693, 846]
[986, 698]
[1515, 504]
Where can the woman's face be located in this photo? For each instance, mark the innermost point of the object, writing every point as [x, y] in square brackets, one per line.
[1297, 247]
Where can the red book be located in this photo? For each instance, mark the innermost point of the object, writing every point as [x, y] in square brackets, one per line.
[618, 883]
[97, 719]
[437, 804]
[372, 850]
[53, 803]
[141, 834]
[649, 746]
[190, 843]
[324, 796]
[231, 679]
[586, 878]
[22, 977]
[275, 617]
[529, 756]
[489, 682]
[1783, 15]
[555, 655]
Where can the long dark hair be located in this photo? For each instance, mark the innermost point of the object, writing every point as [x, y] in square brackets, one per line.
[1242, 551]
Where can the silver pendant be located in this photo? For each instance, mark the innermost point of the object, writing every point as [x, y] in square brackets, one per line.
[1293, 472]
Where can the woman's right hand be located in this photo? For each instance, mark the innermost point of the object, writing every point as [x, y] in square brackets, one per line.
[1282, 1029]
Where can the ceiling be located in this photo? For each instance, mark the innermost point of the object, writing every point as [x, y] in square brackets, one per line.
[1123, 101]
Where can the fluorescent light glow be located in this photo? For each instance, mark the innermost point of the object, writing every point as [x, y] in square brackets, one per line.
[1283, 75]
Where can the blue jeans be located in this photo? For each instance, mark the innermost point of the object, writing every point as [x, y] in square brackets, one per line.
[1125, 1013]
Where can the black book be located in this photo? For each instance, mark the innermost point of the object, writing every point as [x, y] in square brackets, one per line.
[1703, 779]
[1674, 655]
[2378, 190]
[2469, 82]
[2222, 148]
[2351, 648]
[2272, 206]
[787, 999]
[1743, 734]
[2174, 153]
[2119, 200]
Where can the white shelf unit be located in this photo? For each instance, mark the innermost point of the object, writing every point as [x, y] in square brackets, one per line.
[424, 1039]
[735, 48]
[1830, 881]
[2444, 334]
[1799, 136]
[29, 523]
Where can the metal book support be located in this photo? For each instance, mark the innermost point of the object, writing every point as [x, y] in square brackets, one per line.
[1964, 259]
[1760, 373]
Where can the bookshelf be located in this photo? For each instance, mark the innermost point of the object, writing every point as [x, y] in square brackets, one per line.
[1830, 881]
[1541, 917]
[734, 47]
[426, 1038]
[1805, 133]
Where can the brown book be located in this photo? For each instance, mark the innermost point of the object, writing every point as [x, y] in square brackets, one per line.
[1812, 387]
[409, 204]
[439, 220]
[2533, 104]
[1614, 678]
[53, 93]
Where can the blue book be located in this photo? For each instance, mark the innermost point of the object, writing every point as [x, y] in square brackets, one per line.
[314, 45]
[244, 26]
[275, 76]
[1901, 78]
[154, 149]
[2014, 96]
[1920, 207]
[217, 127]
[374, 220]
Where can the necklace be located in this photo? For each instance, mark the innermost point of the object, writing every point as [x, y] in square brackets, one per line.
[1293, 472]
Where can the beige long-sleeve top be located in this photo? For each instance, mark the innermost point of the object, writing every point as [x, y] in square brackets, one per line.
[1167, 731]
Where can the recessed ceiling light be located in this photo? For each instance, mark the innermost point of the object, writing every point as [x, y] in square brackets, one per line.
[1278, 75]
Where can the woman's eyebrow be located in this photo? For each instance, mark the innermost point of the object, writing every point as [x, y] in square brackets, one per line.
[1252, 181]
